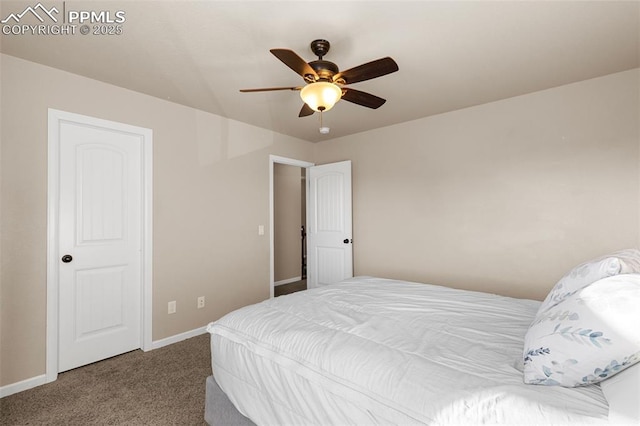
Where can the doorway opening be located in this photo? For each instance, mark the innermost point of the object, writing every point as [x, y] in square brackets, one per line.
[329, 221]
[288, 201]
[290, 257]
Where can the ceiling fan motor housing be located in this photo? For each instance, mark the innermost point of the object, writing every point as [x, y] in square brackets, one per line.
[325, 69]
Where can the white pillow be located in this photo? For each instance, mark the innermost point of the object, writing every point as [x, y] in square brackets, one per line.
[589, 336]
[623, 395]
[621, 262]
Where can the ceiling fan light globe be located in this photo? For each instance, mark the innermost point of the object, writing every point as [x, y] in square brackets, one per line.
[321, 96]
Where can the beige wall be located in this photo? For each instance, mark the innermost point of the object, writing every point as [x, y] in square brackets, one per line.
[287, 195]
[502, 197]
[210, 194]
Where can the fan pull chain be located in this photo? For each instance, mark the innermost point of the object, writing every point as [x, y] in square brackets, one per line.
[322, 129]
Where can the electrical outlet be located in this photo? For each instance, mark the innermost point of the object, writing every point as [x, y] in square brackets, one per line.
[200, 302]
[172, 307]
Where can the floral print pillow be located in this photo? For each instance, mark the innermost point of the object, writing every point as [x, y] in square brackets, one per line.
[621, 262]
[587, 337]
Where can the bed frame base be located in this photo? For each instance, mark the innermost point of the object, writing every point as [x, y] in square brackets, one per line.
[218, 410]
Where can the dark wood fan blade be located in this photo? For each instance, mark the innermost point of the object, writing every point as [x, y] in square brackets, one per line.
[305, 111]
[367, 71]
[362, 98]
[296, 63]
[269, 89]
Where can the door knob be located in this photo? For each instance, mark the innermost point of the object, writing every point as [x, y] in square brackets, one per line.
[67, 258]
[347, 241]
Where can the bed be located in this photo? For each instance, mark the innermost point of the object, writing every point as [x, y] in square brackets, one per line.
[378, 351]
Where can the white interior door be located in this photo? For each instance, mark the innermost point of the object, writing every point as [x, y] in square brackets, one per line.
[100, 229]
[329, 224]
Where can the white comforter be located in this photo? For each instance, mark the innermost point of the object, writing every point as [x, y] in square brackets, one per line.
[375, 351]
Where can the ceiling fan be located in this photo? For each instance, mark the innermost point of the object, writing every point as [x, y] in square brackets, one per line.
[326, 84]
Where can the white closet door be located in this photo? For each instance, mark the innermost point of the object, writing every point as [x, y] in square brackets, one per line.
[100, 230]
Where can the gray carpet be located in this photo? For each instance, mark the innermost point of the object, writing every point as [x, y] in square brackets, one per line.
[165, 386]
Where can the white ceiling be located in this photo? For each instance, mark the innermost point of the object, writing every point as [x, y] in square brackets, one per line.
[451, 54]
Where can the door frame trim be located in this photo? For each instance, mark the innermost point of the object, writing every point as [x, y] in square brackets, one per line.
[273, 159]
[55, 117]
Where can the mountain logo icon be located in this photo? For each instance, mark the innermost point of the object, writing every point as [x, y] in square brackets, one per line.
[38, 11]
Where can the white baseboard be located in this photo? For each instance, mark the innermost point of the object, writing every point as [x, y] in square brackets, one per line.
[156, 344]
[287, 281]
[23, 385]
[42, 379]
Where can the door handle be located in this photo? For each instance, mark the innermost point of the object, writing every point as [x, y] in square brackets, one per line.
[67, 258]
[347, 241]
